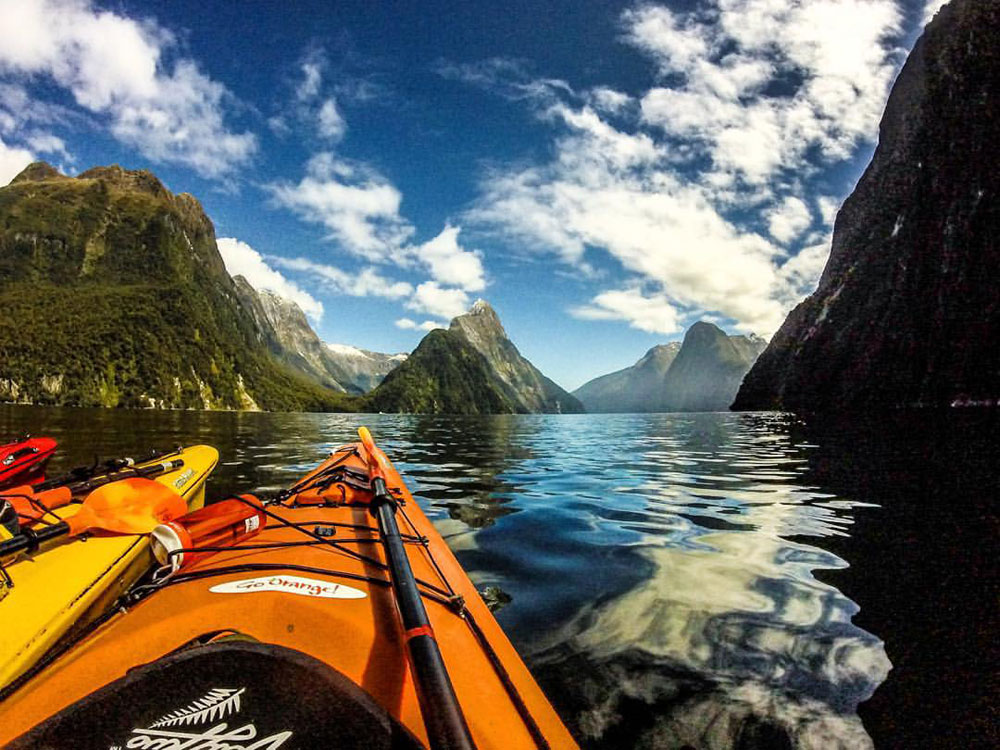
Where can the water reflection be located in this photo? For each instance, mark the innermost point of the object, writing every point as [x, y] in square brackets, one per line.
[662, 567]
[728, 617]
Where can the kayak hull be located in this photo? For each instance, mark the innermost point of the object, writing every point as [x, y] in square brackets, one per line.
[24, 462]
[61, 589]
[324, 602]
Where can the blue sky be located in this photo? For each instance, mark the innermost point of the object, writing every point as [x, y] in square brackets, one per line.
[605, 174]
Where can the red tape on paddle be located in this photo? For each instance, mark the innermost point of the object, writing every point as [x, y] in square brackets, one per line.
[414, 632]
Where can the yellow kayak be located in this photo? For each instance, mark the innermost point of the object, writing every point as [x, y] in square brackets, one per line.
[58, 588]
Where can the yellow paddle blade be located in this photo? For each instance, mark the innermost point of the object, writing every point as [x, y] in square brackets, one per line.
[128, 506]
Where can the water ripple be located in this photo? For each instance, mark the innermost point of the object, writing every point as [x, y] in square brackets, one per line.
[665, 562]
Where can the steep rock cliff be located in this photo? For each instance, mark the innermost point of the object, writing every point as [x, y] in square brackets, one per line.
[907, 313]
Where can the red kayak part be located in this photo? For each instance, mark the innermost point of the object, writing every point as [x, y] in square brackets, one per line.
[24, 462]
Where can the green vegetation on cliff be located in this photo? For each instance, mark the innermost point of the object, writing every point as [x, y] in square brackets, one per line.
[114, 294]
[444, 375]
[472, 368]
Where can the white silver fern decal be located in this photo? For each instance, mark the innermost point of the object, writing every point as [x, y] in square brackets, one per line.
[218, 703]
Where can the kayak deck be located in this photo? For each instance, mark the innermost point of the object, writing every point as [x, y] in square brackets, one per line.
[313, 582]
[62, 587]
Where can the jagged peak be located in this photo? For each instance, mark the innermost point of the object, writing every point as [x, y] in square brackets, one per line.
[480, 322]
[38, 171]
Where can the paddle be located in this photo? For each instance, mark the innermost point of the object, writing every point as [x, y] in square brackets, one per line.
[128, 506]
[32, 503]
[443, 717]
[87, 478]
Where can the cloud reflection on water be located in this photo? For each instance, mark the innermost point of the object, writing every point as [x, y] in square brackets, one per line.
[731, 602]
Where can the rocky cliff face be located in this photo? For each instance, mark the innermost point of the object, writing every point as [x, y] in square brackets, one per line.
[529, 389]
[360, 369]
[114, 294]
[287, 333]
[907, 311]
[472, 368]
[638, 388]
[285, 330]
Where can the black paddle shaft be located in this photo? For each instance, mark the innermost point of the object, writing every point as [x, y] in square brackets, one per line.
[86, 485]
[30, 539]
[443, 717]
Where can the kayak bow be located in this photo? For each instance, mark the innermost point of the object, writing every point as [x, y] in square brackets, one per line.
[293, 638]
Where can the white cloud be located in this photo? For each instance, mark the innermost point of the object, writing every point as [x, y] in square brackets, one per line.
[648, 220]
[116, 66]
[753, 99]
[411, 325]
[800, 274]
[789, 219]
[243, 260]
[674, 44]
[364, 283]
[609, 100]
[651, 314]
[931, 9]
[357, 205]
[828, 207]
[12, 161]
[432, 299]
[449, 263]
[361, 210]
[312, 76]
[47, 143]
[828, 58]
[507, 76]
[329, 121]
[312, 107]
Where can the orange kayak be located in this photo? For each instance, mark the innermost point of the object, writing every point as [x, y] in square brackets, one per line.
[290, 638]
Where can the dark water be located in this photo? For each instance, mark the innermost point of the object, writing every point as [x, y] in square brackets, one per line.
[704, 581]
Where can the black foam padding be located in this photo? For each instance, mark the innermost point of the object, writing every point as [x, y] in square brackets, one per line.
[260, 695]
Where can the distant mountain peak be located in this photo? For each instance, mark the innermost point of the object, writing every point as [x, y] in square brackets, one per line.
[294, 341]
[703, 331]
[480, 325]
[700, 374]
[471, 368]
[660, 353]
[38, 171]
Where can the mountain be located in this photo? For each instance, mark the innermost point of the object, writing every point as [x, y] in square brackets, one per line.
[114, 294]
[287, 333]
[701, 374]
[638, 388]
[472, 368]
[907, 311]
[707, 371]
[359, 369]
